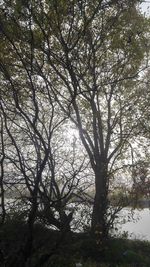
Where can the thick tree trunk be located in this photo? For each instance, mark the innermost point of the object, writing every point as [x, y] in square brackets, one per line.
[99, 215]
[29, 242]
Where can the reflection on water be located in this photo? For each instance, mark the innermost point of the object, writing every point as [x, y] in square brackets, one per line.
[139, 229]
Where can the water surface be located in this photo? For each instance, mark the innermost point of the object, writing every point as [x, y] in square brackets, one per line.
[140, 227]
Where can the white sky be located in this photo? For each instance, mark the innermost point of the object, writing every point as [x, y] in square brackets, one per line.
[145, 7]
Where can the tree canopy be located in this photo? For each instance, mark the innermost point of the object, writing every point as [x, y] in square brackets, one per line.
[80, 65]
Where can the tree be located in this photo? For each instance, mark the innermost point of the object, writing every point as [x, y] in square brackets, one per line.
[90, 55]
[97, 59]
[140, 156]
[2, 155]
[40, 174]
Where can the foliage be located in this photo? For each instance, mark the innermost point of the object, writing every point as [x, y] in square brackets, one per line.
[75, 248]
[79, 65]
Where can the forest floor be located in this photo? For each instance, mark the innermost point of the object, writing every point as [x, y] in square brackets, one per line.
[50, 249]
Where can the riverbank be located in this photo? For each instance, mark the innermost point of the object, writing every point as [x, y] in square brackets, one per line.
[51, 250]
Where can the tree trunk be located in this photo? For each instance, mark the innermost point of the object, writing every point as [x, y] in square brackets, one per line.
[99, 215]
[29, 242]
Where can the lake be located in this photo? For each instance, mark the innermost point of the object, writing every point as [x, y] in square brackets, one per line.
[140, 227]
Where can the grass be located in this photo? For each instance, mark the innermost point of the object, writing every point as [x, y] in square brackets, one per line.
[66, 252]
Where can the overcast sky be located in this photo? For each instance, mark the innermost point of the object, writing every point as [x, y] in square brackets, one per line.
[145, 6]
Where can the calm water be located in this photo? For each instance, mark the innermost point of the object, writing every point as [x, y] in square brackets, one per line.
[140, 228]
